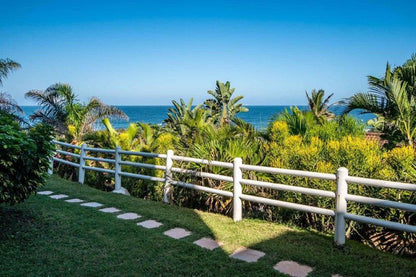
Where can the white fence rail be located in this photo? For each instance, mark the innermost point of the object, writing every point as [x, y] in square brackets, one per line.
[341, 177]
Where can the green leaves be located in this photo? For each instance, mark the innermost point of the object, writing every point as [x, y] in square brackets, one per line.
[61, 108]
[319, 106]
[392, 99]
[25, 163]
[6, 66]
[222, 107]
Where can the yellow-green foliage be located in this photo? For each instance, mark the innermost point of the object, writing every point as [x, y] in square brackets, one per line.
[362, 157]
[322, 148]
[164, 142]
[401, 160]
[279, 131]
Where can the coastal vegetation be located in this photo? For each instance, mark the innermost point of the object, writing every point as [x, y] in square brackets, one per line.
[393, 99]
[7, 103]
[25, 152]
[61, 109]
[313, 140]
[24, 158]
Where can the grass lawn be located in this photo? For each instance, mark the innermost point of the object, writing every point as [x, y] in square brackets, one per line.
[47, 237]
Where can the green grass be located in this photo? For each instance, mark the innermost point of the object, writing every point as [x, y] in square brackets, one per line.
[47, 237]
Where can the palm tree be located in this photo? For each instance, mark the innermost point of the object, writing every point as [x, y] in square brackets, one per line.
[188, 122]
[57, 104]
[318, 105]
[299, 122]
[392, 99]
[180, 113]
[407, 73]
[6, 66]
[61, 109]
[126, 139]
[223, 107]
[7, 103]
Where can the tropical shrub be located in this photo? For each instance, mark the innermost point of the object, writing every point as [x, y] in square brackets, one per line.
[311, 140]
[362, 157]
[223, 108]
[318, 105]
[60, 108]
[392, 99]
[24, 159]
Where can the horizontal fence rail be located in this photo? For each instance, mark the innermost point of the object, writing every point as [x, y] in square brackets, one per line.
[340, 195]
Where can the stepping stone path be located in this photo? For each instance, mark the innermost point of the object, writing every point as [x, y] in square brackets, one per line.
[129, 216]
[177, 233]
[290, 268]
[45, 192]
[58, 196]
[293, 269]
[75, 200]
[109, 210]
[92, 204]
[208, 243]
[247, 254]
[150, 224]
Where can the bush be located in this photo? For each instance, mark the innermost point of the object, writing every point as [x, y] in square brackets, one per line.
[363, 158]
[24, 159]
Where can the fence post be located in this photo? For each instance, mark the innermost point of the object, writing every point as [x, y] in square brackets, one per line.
[340, 206]
[81, 172]
[117, 173]
[237, 190]
[117, 169]
[50, 168]
[168, 176]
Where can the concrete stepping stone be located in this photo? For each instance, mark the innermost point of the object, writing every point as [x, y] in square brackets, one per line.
[177, 233]
[109, 210]
[74, 200]
[293, 269]
[58, 196]
[92, 204]
[149, 224]
[45, 192]
[129, 216]
[208, 243]
[247, 254]
[336, 275]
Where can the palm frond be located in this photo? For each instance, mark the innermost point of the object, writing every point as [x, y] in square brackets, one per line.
[7, 66]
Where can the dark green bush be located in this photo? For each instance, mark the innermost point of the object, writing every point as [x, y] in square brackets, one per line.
[24, 159]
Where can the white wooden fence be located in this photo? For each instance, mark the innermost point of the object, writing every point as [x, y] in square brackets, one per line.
[341, 177]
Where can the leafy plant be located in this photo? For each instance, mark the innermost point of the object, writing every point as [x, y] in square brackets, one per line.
[6, 66]
[61, 109]
[318, 105]
[24, 159]
[223, 107]
[392, 99]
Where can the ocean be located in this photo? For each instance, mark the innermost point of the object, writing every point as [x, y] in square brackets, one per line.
[259, 116]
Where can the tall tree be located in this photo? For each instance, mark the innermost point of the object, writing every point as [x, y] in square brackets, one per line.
[7, 103]
[392, 99]
[6, 66]
[61, 109]
[223, 107]
[318, 105]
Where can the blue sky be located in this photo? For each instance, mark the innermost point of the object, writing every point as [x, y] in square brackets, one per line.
[150, 52]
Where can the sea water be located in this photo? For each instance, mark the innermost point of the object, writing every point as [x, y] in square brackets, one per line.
[259, 116]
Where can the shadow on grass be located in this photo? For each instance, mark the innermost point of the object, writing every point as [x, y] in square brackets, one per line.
[44, 237]
[309, 248]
